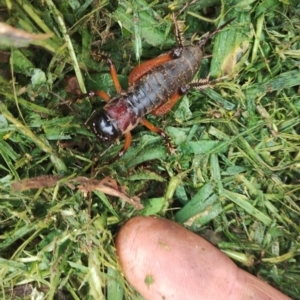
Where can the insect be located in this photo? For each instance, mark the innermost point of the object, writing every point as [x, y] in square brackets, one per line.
[154, 87]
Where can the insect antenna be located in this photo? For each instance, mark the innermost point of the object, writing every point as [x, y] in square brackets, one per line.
[185, 6]
[209, 35]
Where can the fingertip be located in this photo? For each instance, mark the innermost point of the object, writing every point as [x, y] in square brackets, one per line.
[163, 260]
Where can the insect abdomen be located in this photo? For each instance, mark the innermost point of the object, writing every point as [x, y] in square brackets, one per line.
[161, 83]
[122, 113]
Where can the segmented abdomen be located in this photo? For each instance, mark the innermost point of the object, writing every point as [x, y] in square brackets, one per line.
[158, 85]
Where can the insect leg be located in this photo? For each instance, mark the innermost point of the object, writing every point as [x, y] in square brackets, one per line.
[101, 94]
[159, 131]
[166, 107]
[147, 66]
[126, 143]
[152, 128]
[178, 50]
[114, 76]
[205, 83]
[112, 70]
[201, 84]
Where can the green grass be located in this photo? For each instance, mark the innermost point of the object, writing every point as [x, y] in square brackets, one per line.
[233, 176]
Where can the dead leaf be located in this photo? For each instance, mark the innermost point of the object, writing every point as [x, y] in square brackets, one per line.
[14, 37]
[72, 86]
[35, 183]
[107, 186]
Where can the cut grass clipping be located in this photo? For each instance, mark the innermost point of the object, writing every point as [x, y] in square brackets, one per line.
[232, 174]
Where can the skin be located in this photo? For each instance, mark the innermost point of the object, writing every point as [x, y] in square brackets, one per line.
[163, 260]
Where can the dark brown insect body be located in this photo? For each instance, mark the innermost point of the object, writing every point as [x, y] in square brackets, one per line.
[155, 86]
[123, 112]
